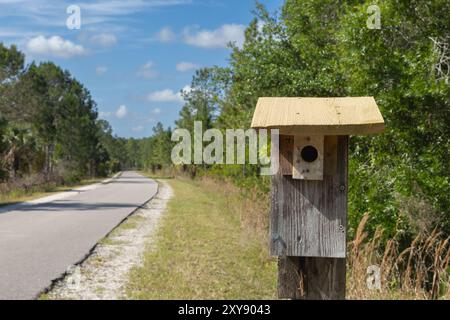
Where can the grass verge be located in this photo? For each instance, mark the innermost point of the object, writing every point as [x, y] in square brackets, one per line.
[213, 245]
[20, 195]
[202, 252]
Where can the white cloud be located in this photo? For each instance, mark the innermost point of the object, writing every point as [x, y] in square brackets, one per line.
[186, 66]
[54, 46]
[100, 70]
[114, 7]
[138, 128]
[186, 89]
[17, 33]
[165, 35]
[104, 114]
[156, 111]
[104, 39]
[147, 71]
[218, 38]
[121, 112]
[166, 95]
[30, 14]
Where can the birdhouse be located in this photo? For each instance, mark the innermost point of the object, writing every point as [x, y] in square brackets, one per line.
[309, 194]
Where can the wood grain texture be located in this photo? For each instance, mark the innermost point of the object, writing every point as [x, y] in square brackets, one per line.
[319, 116]
[286, 162]
[309, 218]
[308, 170]
[311, 278]
[330, 155]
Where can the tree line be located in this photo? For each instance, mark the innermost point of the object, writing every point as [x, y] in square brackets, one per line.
[49, 125]
[308, 48]
[324, 48]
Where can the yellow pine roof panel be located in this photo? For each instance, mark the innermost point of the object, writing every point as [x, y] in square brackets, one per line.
[321, 116]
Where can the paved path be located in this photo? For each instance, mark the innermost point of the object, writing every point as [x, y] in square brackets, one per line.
[39, 242]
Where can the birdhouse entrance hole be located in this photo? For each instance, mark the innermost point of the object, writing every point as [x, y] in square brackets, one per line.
[309, 154]
[308, 157]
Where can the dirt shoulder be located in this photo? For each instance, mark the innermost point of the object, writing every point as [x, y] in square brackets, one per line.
[104, 274]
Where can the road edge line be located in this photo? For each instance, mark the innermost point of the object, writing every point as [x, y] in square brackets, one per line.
[91, 251]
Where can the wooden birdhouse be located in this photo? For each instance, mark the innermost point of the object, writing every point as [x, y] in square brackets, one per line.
[309, 194]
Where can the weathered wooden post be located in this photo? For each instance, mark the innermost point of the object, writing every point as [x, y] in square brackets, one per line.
[308, 218]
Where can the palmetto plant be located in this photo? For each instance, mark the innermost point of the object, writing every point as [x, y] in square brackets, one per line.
[20, 145]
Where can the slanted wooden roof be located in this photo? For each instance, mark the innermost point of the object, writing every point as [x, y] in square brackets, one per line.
[321, 116]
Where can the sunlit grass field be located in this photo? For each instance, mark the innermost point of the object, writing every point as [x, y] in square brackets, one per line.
[203, 252]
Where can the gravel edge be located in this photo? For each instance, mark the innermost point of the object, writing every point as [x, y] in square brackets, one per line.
[103, 275]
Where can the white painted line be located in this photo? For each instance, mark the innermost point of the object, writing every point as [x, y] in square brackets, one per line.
[58, 196]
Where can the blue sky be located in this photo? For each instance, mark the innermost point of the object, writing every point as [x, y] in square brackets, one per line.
[134, 56]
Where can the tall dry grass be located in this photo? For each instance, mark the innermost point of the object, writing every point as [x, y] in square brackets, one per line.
[250, 205]
[421, 271]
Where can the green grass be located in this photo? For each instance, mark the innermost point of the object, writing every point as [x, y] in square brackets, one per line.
[131, 223]
[164, 174]
[20, 195]
[202, 252]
